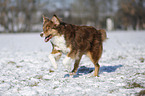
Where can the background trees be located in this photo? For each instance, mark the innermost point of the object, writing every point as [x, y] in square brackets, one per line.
[26, 15]
[131, 13]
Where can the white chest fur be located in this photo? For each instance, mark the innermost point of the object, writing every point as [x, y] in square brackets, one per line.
[60, 43]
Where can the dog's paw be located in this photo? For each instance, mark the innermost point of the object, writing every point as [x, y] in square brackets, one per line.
[72, 73]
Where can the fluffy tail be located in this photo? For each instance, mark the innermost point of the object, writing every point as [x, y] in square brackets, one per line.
[103, 34]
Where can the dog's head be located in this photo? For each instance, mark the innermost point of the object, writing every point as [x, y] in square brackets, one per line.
[49, 30]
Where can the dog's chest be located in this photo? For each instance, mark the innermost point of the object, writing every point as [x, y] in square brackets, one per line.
[60, 43]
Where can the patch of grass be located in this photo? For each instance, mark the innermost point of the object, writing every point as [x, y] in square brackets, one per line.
[18, 66]
[141, 93]
[121, 57]
[140, 73]
[11, 62]
[18, 89]
[21, 61]
[136, 85]
[133, 85]
[38, 76]
[113, 90]
[51, 70]
[143, 73]
[141, 59]
[35, 84]
[55, 87]
[2, 81]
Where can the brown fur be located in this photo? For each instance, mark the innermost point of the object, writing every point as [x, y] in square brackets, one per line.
[80, 39]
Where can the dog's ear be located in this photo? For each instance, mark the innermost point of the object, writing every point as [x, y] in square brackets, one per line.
[45, 19]
[55, 20]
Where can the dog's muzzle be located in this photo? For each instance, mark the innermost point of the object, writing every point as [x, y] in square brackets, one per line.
[48, 38]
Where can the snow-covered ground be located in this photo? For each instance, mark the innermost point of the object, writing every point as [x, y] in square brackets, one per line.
[25, 69]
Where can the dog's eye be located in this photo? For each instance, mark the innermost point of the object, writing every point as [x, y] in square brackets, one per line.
[54, 27]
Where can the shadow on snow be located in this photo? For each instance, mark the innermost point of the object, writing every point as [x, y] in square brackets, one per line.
[86, 70]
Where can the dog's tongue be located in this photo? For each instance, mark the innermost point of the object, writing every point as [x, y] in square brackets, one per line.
[46, 39]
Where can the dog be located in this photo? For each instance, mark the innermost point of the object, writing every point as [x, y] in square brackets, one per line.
[73, 40]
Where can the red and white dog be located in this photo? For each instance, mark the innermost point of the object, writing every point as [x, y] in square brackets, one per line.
[73, 40]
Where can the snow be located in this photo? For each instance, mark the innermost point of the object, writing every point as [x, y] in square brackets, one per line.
[25, 69]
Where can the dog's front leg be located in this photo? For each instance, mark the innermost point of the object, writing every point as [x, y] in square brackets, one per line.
[76, 64]
[67, 61]
[54, 56]
[72, 57]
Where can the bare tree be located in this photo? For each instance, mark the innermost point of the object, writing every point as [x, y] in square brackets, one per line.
[131, 13]
[3, 15]
[11, 19]
[84, 11]
[27, 7]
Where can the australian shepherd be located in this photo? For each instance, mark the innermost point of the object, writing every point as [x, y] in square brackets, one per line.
[74, 41]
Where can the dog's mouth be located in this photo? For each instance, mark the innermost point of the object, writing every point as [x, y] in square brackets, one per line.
[48, 38]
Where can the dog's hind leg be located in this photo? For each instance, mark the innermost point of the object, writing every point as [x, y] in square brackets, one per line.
[54, 56]
[95, 55]
[97, 67]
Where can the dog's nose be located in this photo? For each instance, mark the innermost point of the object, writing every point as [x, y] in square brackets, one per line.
[41, 34]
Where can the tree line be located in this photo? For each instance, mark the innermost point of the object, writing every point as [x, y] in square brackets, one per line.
[26, 15]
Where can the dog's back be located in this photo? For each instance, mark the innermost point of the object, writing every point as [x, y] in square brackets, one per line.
[81, 38]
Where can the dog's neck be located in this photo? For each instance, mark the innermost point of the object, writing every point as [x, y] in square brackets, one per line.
[62, 23]
[61, 27]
